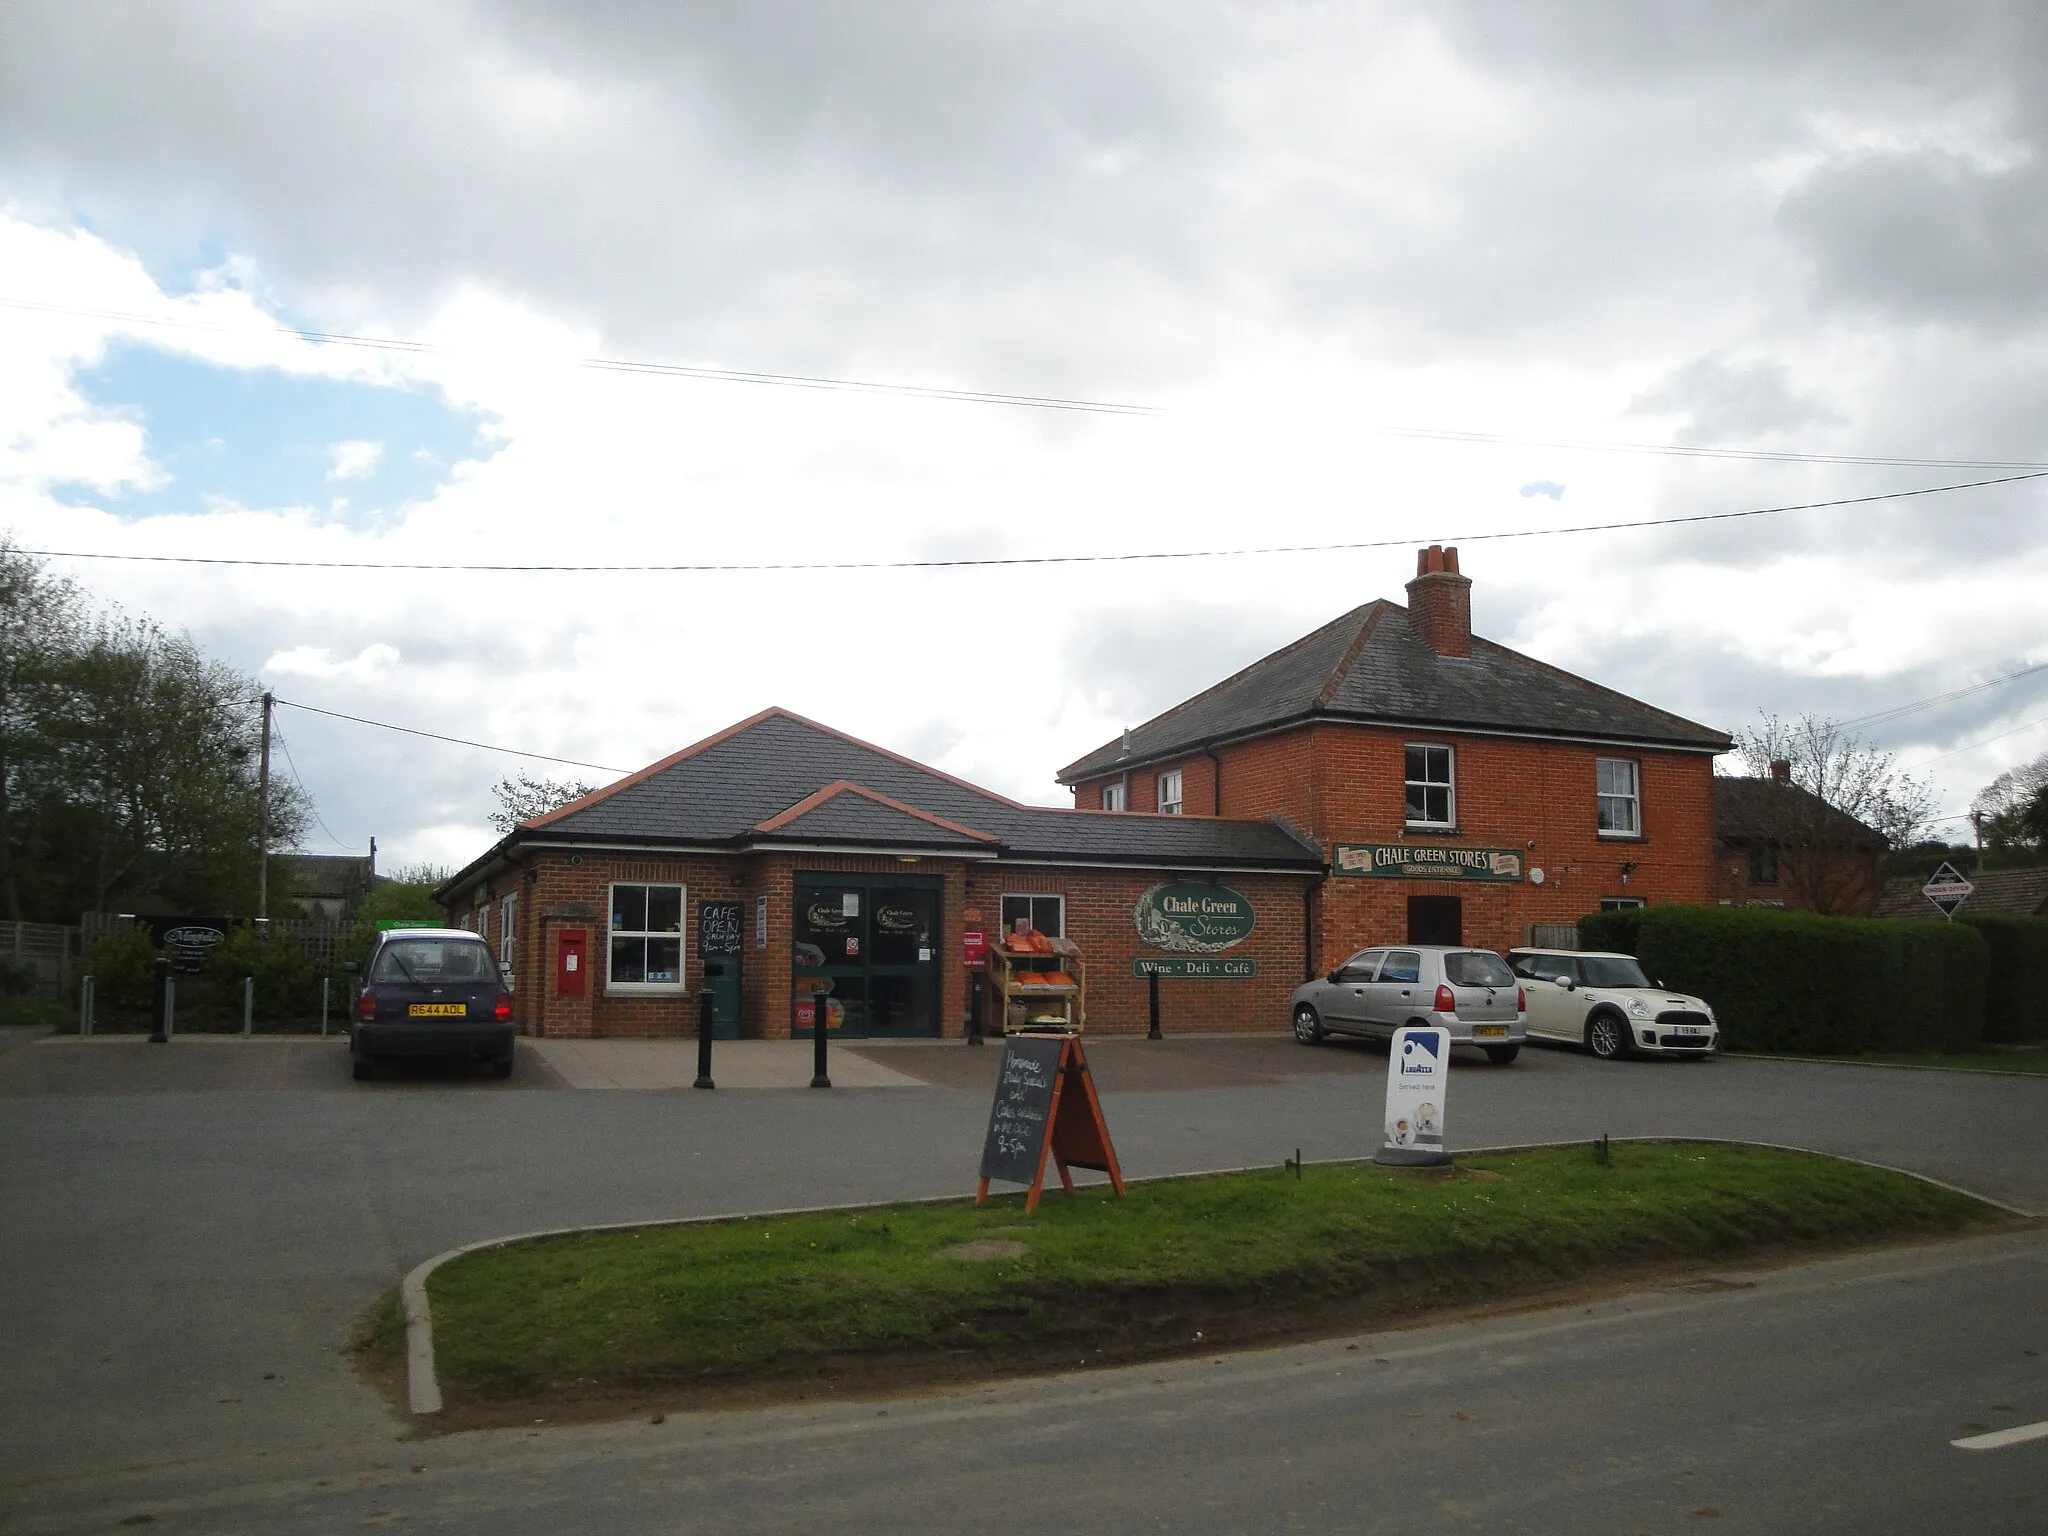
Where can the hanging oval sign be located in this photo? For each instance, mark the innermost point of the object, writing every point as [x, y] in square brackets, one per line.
[1192, 919]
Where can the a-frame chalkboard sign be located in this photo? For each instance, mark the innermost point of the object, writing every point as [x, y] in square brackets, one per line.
[1045, 1103]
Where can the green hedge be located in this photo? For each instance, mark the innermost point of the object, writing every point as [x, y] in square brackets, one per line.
[1800, 983]
[2016, 999]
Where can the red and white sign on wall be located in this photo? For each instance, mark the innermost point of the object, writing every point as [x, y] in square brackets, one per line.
[975, 947]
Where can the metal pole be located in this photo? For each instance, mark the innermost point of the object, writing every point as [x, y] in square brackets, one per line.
[263, 818]
[248, 1005]
[85, 1005]
[974, 1026]
[1152, 1033]
[821, 1011]
[170, 1004]
[704, 1040]
[323, 1007]
[159, 1008]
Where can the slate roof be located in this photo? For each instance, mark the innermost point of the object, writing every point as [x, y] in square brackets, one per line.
[781, 778]
[1743, 811]
[1370, 666]
[2013, 892]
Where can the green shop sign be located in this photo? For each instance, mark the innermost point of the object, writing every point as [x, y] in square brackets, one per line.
[1408, 861]
[1194, 967]
[1193, 919]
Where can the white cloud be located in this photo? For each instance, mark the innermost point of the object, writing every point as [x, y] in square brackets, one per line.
[368, 664]
[353, 459]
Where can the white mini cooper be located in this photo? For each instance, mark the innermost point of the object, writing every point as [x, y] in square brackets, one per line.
[1605, 1003]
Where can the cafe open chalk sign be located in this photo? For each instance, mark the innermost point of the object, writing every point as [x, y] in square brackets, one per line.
[1418, 1075]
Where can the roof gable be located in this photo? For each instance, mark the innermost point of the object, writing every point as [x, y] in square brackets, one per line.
[853, 812]
[1370, 666]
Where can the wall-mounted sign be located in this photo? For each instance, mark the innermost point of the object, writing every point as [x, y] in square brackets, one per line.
[1192, 919]
[1194, 967]
[718, 927]
[1426, 861]
[760, 922]
[975, 944]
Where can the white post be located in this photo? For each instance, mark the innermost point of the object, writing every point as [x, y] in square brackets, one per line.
[170, 1003]
[85, 1005]
[248, 1004]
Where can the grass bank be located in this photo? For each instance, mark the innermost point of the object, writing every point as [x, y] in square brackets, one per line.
[905, 1294]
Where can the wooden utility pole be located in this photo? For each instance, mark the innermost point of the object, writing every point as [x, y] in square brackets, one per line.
[263, 817]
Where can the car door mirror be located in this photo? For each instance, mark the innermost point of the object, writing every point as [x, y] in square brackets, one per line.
[1567, 983]
[1336, 975]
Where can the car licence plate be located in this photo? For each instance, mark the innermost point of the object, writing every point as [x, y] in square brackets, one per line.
[1488, 1031]
[438, 1010]
[1689, 1029]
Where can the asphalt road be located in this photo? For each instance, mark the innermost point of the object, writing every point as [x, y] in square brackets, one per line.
[182, 1263]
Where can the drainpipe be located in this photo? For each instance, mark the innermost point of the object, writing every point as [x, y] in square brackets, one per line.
[1215, 780]
[1308, 928]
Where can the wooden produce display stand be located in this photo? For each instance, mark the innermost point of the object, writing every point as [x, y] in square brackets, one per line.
[1045, 977]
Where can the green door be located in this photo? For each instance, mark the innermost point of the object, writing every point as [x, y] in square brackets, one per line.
[873, 941]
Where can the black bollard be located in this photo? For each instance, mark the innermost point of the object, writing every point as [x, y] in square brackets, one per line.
[821, 1013]
[158, 1007]
[1153, 1032]
[974, 1034]
[704, 1040]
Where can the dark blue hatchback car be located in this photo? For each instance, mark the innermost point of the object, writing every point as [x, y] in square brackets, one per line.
[431, 992]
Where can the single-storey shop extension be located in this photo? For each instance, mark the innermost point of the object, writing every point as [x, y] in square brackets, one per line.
[1389, 777]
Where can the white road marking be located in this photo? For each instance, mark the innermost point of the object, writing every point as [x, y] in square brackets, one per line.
[2018, 1434]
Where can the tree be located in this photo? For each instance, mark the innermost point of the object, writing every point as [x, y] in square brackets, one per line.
[2012, 810]
[39, 621]
[1840, 805]
[524, 797]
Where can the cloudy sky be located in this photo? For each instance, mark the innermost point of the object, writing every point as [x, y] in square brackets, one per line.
[1385, 272]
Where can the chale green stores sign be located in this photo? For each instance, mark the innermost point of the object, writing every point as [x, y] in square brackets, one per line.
[1407, 861]
[1191, 919]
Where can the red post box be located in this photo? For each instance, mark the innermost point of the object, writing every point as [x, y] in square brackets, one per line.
[570, 962]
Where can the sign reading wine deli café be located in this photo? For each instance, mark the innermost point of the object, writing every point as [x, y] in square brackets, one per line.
[1194, 923]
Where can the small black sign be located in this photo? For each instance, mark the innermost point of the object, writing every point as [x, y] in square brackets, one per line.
[718, 927]
[1018, 1120]
[187, 940]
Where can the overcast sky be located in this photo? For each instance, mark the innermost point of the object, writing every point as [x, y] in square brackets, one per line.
[1816, 230]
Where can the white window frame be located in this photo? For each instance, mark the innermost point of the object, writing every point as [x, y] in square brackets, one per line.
[1035, 896]
[1117, 796]
[508, 937]
[1621, 903]
[1632, 798]
[681, 936]
[1449, 784]
[1170, 792]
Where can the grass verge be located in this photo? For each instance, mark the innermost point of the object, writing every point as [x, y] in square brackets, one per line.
[912, 1294]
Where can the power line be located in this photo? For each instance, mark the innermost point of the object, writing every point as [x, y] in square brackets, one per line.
[1973, 746]
[1038, 402]
[682, 568]
[1942, 698]
[629, 365]
[486, 746]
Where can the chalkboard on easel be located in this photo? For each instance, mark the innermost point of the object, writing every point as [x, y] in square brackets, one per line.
[1022, 1112]
[1045, 1104]
[718, 927]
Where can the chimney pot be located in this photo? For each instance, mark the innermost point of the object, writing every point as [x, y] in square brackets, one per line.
[1440, 602]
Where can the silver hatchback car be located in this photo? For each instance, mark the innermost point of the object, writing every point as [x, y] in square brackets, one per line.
[1470, 992]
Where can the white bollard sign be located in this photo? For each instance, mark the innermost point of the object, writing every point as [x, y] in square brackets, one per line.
[1418, 1076]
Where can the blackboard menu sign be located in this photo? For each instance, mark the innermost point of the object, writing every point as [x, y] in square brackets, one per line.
[718, 927]
[1045, 1103]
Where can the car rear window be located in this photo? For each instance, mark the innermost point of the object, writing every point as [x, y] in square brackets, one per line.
[1477, 969]
[429, 960]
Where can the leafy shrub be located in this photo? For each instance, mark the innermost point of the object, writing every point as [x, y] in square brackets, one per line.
[123, 967]
[2016, 999]
[287, 983]
[1798, 982]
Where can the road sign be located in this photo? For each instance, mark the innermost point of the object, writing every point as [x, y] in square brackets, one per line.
[1947, 889]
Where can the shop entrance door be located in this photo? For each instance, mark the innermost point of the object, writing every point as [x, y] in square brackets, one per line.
[1436, 920]
[874, 940]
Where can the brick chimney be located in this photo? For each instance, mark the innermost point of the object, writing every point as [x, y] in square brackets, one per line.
[1781, 770]
[1440, 602]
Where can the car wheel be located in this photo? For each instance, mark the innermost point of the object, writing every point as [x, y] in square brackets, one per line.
[1501, 1055]
[502, 1067]
[364, 1070]
[1308, 1029]
[1607, 1036]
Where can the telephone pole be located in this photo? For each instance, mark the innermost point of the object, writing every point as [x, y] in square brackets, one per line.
[263, 818]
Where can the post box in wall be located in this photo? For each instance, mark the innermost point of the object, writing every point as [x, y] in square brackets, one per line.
[571, 963]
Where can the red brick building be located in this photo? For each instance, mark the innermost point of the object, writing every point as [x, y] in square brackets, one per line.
[1390, 776]
[1405, 745]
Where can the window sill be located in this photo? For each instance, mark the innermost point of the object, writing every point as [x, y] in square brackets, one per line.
[1431, 829]
[647, 989]
[1621, 837]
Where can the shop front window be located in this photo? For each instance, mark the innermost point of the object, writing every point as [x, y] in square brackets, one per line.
[647, 936]
[1048, 914]
[905, 920]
